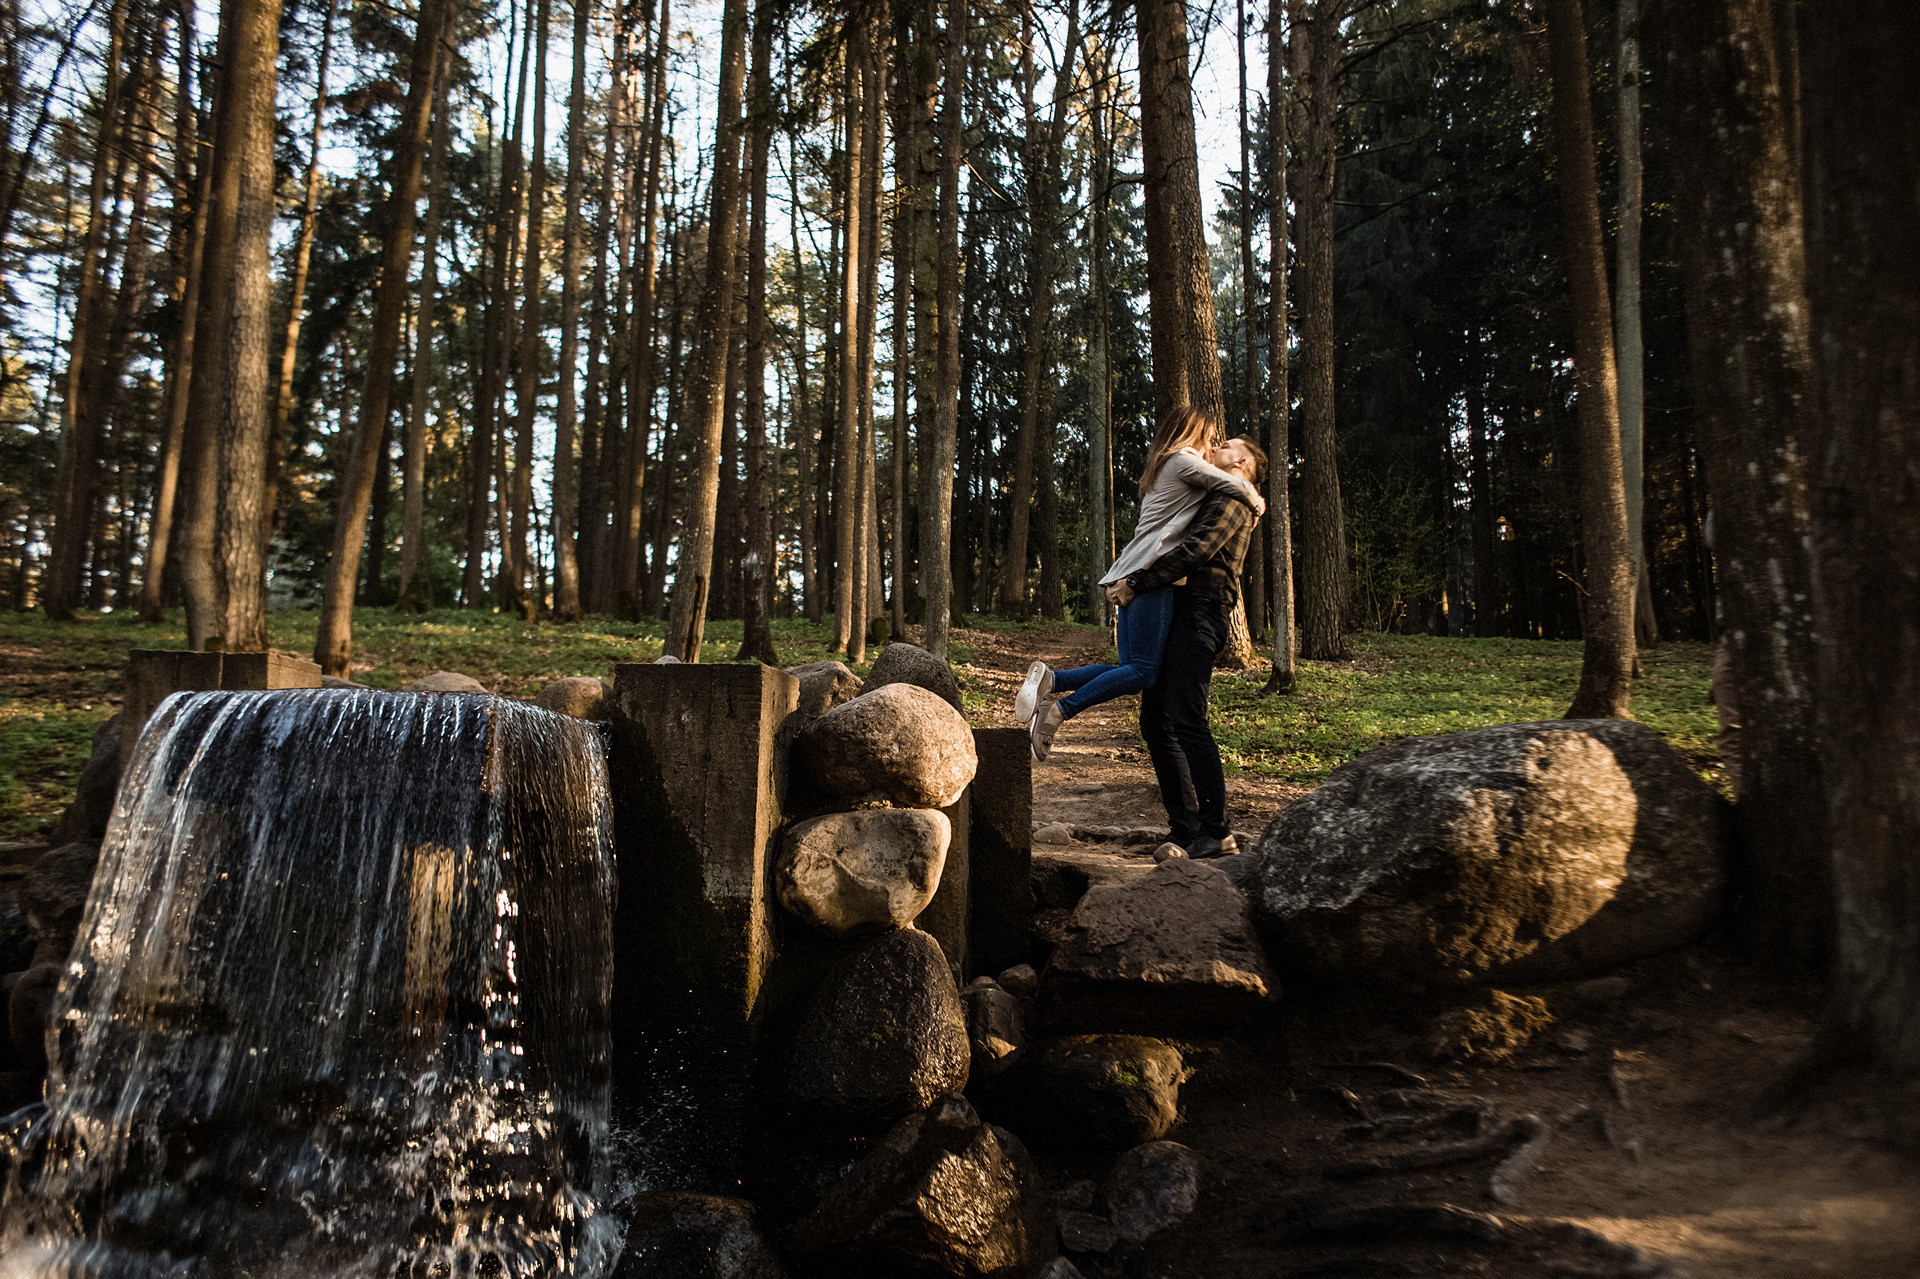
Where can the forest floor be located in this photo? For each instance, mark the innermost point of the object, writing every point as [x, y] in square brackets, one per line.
[1649, 1080]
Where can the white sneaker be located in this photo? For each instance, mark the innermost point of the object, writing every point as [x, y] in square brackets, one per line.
[1046, 721]
[1037, 689]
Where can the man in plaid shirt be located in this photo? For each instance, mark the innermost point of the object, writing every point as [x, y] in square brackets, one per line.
[1204, 568]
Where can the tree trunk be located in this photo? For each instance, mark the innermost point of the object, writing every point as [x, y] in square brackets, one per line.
[566, 564]
[1279, 394]
[706, 389]
[60, 591]
[905, 169]
[302, 259]
[192, 197]
[1606, 665]
[416, 587]
[1099, 373]
[1861, 122]
[937, 536]
[1626, 315]
[847, 429]
[333, 642]
[1186, 349]
[867, 580]
[757, 593]
[1323, 578]
[1744, 264]
[1250, 381]
[515, 563]
[805, 455]
[641, 340]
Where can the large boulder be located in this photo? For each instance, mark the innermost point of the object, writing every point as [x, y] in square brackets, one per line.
[86, 818]
[1086, 1097]
[883, 1037]
[900, 741]
[445, 682]
[823, 686]
[54, 894]
[911, 664]
[1172, 948]
[856, 874]
[678, 1234]
[1526, 852]
[1150, 1188]
[581, 696]
[942, 1194]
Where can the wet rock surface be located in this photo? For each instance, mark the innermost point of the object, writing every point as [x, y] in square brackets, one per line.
[884, 1036]
[581, 696]
[901, 741]
[1084, 1097]
[823, 686]
[1150, 1188]
[1170, 949]
[1542, 851]
[857, 874]
[677, 1234]
[942, 1194]
[54, 895]
[911, 664]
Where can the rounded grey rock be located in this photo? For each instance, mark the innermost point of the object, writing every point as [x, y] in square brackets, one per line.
[1530, 852]
[1150, 1188]
[1020, 981]
[678, 1234]
[901, 740]
[823, 686]
[445, 682]
[941, 1194]
[581, 696]
[884, 1036]
[857, 874]
[910, 664]
[1084, 1097]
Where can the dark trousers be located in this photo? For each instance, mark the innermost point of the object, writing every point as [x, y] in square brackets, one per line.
[1173, 720]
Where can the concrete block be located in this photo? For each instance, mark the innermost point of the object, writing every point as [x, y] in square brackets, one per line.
[255, 672]
[1000, 849]
[154, 674]
[947, 917]
[698, 775]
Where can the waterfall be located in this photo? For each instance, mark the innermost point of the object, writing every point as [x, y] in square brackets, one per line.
[339, 1003]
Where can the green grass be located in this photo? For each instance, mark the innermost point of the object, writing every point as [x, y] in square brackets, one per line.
[59, 682]
[1411, 685]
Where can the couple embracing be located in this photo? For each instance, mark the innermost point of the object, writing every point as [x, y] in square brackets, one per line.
[1176, 584]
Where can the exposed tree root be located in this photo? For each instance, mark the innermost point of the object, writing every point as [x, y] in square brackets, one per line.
[1437, 1154]
[1505, 1183]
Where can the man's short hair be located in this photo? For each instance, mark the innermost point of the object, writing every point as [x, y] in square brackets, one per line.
[1254, 451]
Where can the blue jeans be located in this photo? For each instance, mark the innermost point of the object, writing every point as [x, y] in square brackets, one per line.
[1142, 639]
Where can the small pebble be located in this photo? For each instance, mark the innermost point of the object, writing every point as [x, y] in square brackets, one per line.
[1168, 851]
[1574, 1041]
[1054, 833]
[1086, 788]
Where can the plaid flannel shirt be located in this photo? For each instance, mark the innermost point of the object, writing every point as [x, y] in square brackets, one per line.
[1210, 555]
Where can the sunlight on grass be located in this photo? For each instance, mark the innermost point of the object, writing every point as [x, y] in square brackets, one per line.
[59, 682]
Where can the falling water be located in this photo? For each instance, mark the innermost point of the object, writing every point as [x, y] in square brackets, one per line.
[339, 1005]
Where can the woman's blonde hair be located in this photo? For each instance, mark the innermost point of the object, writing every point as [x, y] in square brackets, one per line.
[1181, 426]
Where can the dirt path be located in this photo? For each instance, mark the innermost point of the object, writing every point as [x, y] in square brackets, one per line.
[1098, 774]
